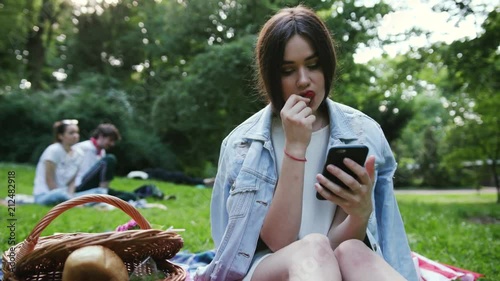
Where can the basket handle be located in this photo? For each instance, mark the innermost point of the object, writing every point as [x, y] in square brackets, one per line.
[29, 243]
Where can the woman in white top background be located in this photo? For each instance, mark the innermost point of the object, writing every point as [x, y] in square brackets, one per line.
[58, 166]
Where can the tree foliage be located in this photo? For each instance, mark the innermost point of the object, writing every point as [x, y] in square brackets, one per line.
[462, 76]
[475, 76]
[177, 76]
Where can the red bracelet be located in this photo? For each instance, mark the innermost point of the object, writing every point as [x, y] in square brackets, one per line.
[294, 158]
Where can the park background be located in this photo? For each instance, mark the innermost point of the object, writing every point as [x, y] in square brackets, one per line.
[176, 76]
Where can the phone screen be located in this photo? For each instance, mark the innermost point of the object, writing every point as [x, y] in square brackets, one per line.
[336, 155]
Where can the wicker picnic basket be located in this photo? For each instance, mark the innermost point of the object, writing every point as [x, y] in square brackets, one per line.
[42, 258]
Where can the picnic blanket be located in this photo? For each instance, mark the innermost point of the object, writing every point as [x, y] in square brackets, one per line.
[429, 270]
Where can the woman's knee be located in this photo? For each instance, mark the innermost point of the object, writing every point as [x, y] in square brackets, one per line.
[352, 251]
[317, 247]
[313, 254]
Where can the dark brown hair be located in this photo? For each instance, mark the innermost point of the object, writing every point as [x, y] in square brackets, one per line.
[59, 127]
[107, 130]
[271, 43]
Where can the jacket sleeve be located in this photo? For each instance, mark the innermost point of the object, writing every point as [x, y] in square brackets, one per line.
[220, 193]
[391, 232]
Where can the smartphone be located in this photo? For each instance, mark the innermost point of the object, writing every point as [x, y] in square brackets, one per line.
[336, 155]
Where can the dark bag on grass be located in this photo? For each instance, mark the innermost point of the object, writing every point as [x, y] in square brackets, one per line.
[149, 190]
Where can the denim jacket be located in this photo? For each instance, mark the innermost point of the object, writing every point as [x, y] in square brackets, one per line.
[247, 176]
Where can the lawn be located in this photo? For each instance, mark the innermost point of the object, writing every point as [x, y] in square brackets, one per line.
[461, 230]
[189, 211]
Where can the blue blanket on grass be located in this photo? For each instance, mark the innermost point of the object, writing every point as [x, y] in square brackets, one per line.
[190, 262]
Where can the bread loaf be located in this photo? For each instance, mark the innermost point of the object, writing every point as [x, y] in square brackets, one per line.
[94, 263]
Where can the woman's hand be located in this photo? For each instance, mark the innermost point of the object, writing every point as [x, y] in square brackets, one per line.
[297, 119]
[356, 201]
[282, 223]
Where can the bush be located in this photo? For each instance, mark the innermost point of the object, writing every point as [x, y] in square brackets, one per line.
[405, 173]
[26, 125]
[27, 118]
[96, 101]
[140, 149]
[195, 114]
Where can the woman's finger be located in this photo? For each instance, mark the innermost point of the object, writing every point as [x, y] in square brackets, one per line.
[351, 182]
[329, 195]
[293, 100]
[333, 188]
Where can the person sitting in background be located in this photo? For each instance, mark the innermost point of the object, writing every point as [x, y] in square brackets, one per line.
[98, 167]
[58, 165]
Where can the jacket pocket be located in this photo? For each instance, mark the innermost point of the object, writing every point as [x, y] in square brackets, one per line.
[241, 195]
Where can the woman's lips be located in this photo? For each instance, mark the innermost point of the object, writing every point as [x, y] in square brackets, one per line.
[309, 94]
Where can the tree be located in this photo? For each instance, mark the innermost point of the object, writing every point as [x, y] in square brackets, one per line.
[473, 67]
[216, 95]
[365, 86]
[12, 52]
[185, 68]
[419, 149]
[462, 79]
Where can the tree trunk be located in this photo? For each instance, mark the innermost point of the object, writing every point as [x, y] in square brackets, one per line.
[494, 173]
[495, 179]
[34, 45]
[36, 58]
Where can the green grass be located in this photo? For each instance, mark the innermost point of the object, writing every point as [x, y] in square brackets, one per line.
[461, 230]
[190, 211]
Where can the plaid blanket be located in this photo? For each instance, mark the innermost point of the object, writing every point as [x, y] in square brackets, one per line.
[190, 262]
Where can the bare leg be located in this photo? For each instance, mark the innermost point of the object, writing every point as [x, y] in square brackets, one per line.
[357, 262]
[310, 258]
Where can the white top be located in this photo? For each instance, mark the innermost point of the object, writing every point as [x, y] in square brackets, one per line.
[90, 157]
[317, 215]
[67, 165]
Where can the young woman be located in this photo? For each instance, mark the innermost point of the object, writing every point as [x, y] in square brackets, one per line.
[58, 165]
[266, 221]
